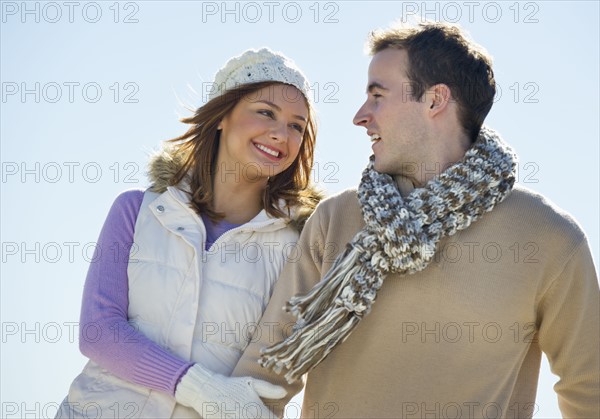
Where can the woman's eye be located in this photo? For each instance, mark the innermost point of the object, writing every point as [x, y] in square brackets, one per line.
[266, 112]
[298, 128]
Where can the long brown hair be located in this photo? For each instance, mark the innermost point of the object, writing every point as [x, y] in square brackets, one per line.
[200, 144]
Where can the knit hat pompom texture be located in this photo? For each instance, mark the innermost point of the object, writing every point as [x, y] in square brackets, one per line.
[255, 66]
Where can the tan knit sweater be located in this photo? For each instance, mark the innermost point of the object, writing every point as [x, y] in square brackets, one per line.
[462, 338]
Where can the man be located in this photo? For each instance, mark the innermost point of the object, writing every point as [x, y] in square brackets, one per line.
[474, 276]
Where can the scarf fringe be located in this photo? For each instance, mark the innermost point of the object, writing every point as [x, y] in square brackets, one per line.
[306, 307]
[308, 347]
[311, 335]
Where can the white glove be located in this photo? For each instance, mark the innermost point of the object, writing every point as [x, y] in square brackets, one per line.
[217, 396]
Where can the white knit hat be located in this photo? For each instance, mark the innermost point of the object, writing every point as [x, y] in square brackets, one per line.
[258, 65]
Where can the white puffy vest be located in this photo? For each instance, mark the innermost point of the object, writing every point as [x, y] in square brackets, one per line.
[201, 305]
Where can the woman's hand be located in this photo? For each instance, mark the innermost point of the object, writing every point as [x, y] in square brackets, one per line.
[217, 396]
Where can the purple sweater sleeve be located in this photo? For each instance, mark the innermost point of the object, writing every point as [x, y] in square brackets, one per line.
[105, 336]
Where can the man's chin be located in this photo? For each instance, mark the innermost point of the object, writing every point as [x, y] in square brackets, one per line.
[383, 168]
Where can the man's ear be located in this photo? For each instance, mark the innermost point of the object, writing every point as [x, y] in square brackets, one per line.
[438, 98]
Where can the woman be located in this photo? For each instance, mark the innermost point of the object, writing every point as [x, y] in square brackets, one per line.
[184, 270]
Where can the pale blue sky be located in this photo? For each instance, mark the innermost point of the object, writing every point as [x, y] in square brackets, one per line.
[108, 92]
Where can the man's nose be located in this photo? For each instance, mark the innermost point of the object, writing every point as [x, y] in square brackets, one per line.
[362, 117]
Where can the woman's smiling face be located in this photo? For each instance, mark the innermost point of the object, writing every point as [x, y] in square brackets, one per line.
[262, 134]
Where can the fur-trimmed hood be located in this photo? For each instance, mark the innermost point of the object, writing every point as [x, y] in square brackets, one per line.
[165, 164]
[162, 168]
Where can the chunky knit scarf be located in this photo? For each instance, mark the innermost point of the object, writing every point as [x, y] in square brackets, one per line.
[400, 236]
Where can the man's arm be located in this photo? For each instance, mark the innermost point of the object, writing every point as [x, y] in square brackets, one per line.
[301, 272]
[569, 332]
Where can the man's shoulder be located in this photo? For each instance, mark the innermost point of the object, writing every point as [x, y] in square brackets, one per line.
[337, 213]
[539, 212]
[343, 200]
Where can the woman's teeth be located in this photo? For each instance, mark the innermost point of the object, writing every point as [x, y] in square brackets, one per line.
[375, 137]
[267, 150]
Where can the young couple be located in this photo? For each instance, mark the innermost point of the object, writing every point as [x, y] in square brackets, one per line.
[240, 176]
